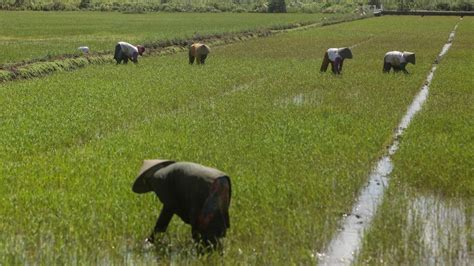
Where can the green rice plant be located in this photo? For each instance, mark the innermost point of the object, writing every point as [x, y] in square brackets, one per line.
[435, 158]
[298, 144]
[37, 35]
[414, 228]
[41, 67]
[5, 75]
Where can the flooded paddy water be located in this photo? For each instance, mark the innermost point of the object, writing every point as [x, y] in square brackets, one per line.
[345, 245]
[300, 100]
[443, 227]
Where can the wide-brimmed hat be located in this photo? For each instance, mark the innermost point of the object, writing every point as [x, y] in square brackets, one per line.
[410, 57]
[345, 53]
[147, 170]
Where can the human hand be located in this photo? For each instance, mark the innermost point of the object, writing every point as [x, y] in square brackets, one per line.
[148, 243]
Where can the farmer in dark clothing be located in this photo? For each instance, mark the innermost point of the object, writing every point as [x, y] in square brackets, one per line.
[199, 195]
[125, 51]
[335, 57]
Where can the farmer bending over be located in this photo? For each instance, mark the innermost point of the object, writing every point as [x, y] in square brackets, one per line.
[125, 51]
[335, 57]
[199, 195]
[398, 61]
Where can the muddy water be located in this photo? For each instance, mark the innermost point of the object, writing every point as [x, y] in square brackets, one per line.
[343, 247]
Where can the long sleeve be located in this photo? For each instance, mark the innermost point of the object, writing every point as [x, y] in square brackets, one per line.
[163, 220]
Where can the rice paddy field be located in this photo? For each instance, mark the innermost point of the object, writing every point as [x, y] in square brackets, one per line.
[298, 145]
[32, 35]
[427, 217]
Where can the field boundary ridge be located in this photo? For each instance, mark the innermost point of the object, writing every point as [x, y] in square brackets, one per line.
[40, 67]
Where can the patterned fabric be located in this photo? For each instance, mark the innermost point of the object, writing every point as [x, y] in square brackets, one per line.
[214, 217]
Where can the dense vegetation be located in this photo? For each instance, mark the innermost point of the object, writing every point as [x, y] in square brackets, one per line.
[312, 6]
[464, 5]
[260, 6]
[298, 144]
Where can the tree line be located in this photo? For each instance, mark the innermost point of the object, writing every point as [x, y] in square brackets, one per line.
[263, 6]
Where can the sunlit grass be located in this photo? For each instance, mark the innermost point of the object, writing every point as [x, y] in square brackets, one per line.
[297, 144]
[30, 35]
[434, 164]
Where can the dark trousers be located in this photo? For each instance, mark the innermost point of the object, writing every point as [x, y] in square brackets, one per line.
[336, 66]
[200, 59]
[387, 67]
[119, 56]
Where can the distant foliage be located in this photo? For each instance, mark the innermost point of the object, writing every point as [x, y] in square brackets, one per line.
[276, 6]
[19, 3]
[406, 4]
[85, 4]
[375, 3]
[260, 6]
[139, 6]
[453, 5]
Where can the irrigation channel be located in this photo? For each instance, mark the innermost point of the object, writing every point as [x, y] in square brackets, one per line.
[345, 244]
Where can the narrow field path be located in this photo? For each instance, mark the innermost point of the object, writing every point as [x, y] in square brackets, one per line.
[345, 245]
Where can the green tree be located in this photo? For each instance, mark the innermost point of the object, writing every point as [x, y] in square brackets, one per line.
[276, 6]
[406, 4]
[85, 4]
[374, 3]
[19, 3]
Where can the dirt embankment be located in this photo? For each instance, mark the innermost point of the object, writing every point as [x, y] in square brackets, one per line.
[44, 66]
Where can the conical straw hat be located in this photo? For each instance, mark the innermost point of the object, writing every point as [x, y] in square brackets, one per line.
[345, 52]
[410, 57]
[147, 170]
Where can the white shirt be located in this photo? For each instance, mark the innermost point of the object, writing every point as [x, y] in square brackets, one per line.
[128, 49]
[395, 58]
[333, 53]
[84, 49]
